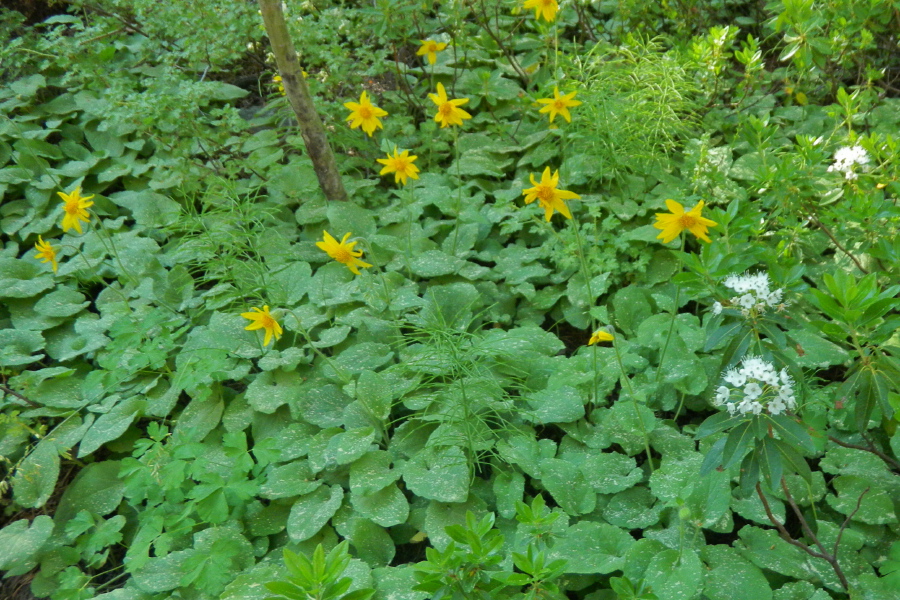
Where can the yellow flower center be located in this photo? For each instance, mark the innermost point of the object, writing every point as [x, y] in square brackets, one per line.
[400, 164]
[545, 194]
[446, 109]
[342, 255]
[267, 321]
[687, 221]
[365, 112]
[559, 105]
[431, 46]
[72, 207]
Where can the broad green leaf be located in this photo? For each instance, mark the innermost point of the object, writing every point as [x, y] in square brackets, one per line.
[97, 488]
[35, 477]
[63, 302]
[23, 279]
[558, 405]
[568, 486]
[272, 389]
[634, 508]
[439, 474]
[732, 577]
[346, 447]
[18, 347]
[591, 548]
[675, 575]
[611, 472]
[310, 513]
[20, 542]
[876, 507]
[386, 507]
[372, 472]
[111, 425]
[292, 479]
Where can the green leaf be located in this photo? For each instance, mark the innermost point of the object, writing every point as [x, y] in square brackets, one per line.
[23, 279]
[346, 447]
[737, 443]
[292, 479]
[310, 513]
[438, 474]
[793, 433]
[97, 489]
[434, 263]
[150, 209]
[374, 391]
[36, 476]
[770, 462]
[18, 347]
[558, 405]
[568, 486]
[592, 548]
[876, 507]
[273, 389]
[111, 425]
[716, 423]
[673, 575]
[732, 577]
[20, 543]
[386, 507]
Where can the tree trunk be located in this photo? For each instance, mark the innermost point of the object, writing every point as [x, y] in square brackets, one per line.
[298, 95]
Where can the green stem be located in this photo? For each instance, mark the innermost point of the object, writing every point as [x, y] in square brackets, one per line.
[337, 369]
[627, 381]
[662, 356]
[458, 191]
[585, 272]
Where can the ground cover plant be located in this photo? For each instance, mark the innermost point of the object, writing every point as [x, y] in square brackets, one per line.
[610, 311]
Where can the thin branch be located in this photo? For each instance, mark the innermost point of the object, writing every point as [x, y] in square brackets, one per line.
[827, 231]
[870, 448]
[847, 520]
[13, 392]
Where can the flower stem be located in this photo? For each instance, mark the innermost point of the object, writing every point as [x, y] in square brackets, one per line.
[458, 191]
[585, 272]
[662, 356]
[627, 381]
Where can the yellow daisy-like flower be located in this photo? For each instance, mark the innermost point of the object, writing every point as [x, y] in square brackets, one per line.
[548, 196]
[676, 221]
[430, 48]
[75, 208]
[449, 111]
[263, 319]
[599, 336]
[543, 8]
[559, 105]
[342, 252]
[46, 253]
[401, 165]
[365, 114]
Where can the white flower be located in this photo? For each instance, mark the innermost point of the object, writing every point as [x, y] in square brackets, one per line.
[753, 292]
[752, 391]
[717, 308]
[722, 394]
[846, 158]
[734, 377]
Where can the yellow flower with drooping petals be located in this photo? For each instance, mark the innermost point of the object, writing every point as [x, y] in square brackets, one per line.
[263, 319]
[430, 48]
[365, 114]
[46, 253]
[559, 105]
[548, 196]
[342, 252]
[449, 111]
[401, 165]
[600, 336]
[676, 221]
[75, 208]
[543, 8]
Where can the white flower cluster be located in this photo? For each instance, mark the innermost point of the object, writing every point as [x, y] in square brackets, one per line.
[754, 387]
[845, 159]
[753, 293]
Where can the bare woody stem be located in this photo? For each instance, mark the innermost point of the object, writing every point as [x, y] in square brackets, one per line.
[830, 558]
[297, 92]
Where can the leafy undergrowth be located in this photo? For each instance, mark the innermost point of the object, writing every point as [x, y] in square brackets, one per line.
[611, 313]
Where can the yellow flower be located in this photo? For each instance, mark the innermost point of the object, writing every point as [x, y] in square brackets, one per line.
[401, 165]
[342, 252]
[448, 112]
[46, 253]
[599, 336]
[545, 8]
[263, 319]
[676, 221]
[366, 114]
[559, 105]
[75, 208]
[430, 48]
[548, 196]
[280, 83]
